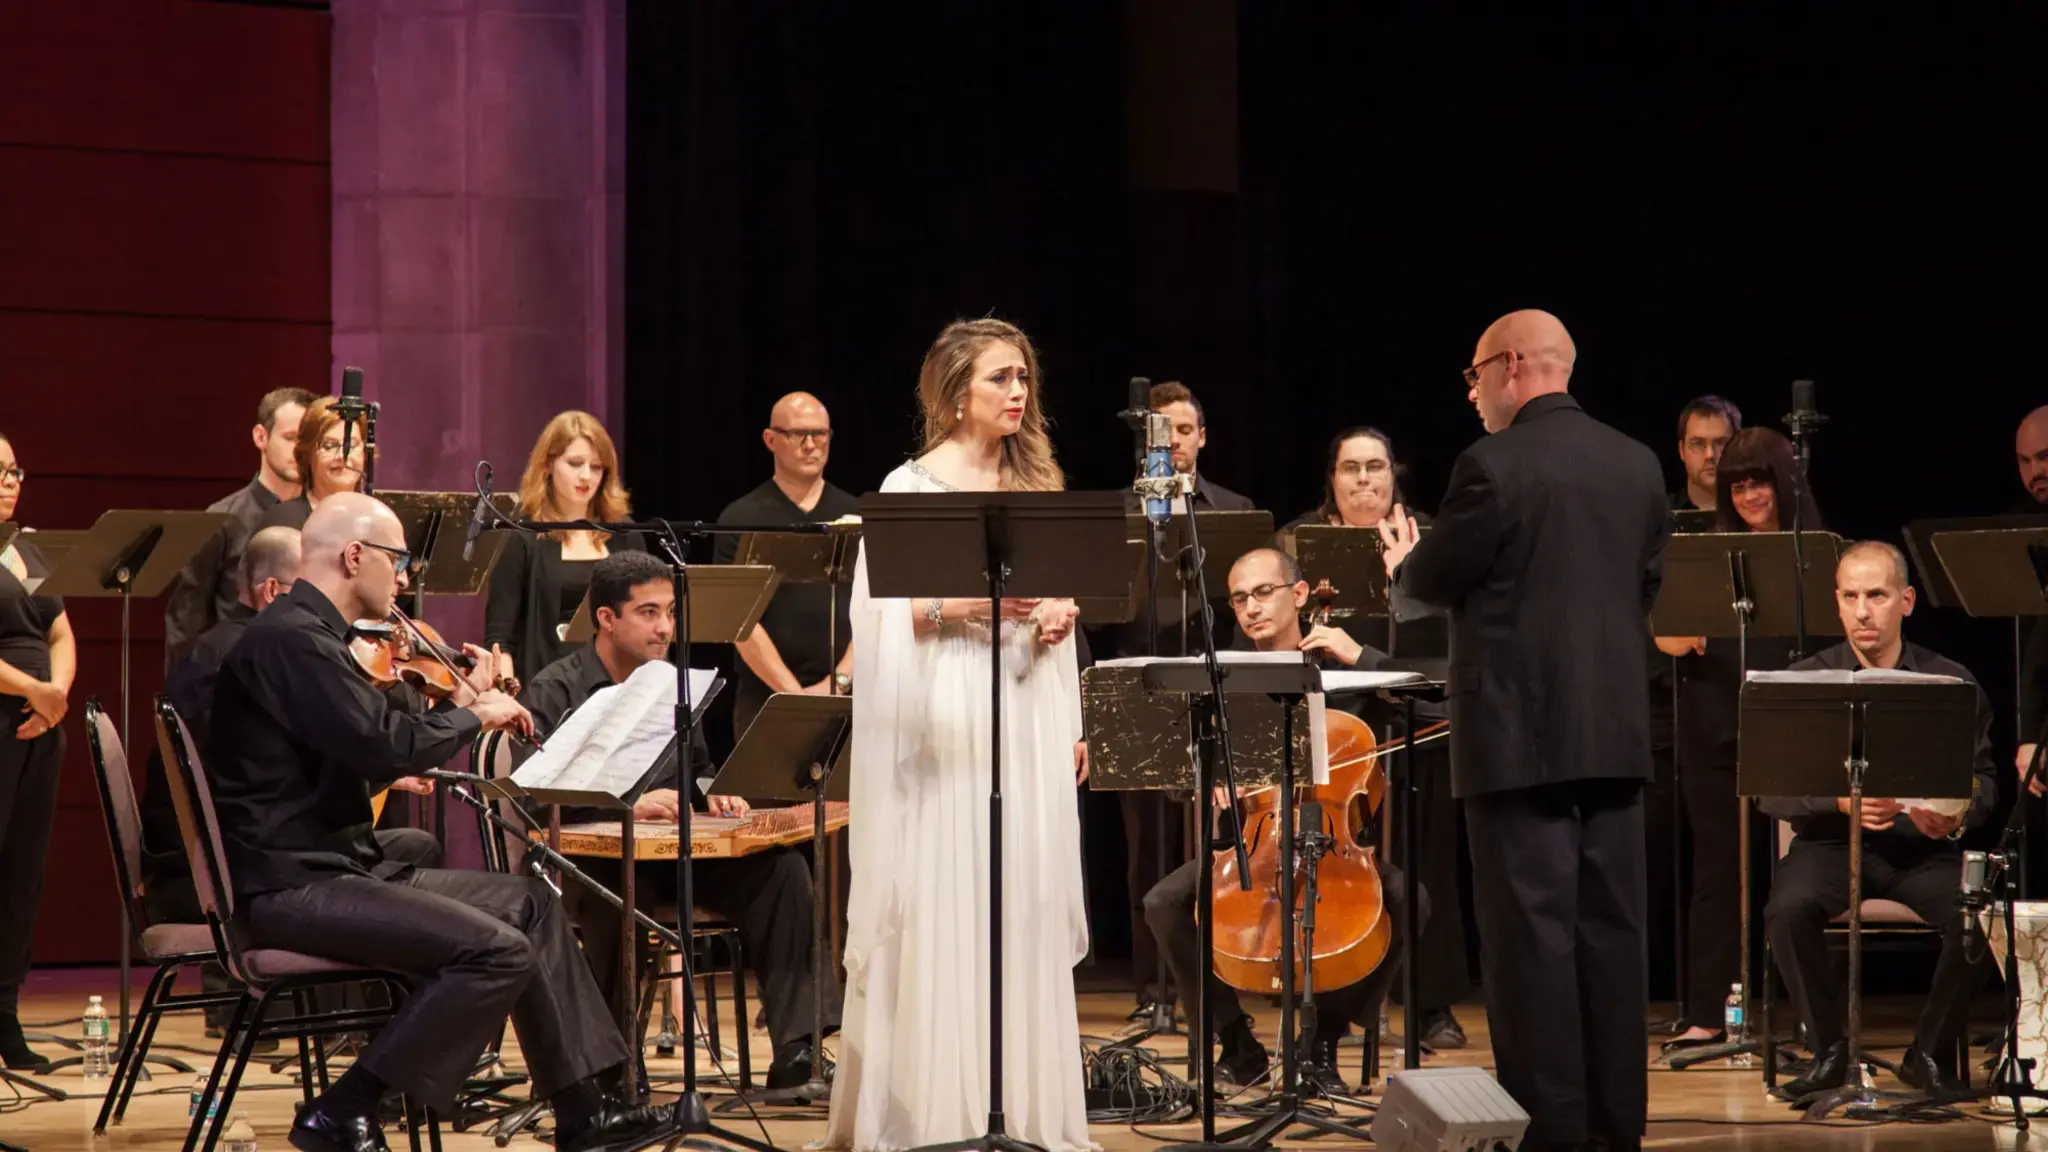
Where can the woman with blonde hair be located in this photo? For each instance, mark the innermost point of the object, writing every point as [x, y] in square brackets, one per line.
[913, 1063]
[538, 583]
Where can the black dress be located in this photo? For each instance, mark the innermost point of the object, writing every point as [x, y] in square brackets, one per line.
[534, 595]
[28, 772]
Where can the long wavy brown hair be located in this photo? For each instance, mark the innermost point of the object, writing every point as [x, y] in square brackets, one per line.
[1027, 463]
[537, 485]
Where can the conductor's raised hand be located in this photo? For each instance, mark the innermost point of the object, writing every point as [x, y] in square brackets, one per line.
[1397, 538]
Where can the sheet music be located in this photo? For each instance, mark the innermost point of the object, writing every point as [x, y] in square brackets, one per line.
[1318, 717]
[1845, 677]
[610, 742]
[1367, 681]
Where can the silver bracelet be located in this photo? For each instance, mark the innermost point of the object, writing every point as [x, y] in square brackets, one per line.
[935, 610]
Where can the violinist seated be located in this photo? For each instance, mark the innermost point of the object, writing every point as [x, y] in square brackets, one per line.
[766, 895]
[269, 564]
[1268, 594]
[297, 733]
[1910, 854]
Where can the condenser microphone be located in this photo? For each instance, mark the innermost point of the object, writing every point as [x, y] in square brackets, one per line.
[1140, 405]
[478, 517]
[1804, 417]
[1158, 466]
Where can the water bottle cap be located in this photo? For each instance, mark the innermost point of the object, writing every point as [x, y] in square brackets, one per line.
[93, 999]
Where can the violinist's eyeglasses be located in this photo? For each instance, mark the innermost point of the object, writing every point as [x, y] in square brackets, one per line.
[401, 559]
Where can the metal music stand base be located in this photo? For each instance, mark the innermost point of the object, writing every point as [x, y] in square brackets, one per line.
[692, 1128]
[20, 1081]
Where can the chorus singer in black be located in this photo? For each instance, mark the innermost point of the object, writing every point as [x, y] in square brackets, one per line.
[1548, 551]
[296, 734]
[38, 658]
[1910, 854]
[793, 648]
[767, 895]
[1268, 595]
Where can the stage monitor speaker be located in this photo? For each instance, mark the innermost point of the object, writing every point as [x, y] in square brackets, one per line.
[1447, 1110]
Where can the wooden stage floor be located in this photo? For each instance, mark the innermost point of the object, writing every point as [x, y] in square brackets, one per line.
[1697, 1109]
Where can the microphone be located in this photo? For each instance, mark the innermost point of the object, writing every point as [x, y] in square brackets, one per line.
[1804, 417]
[1140, 404]
[479, 516]
[351, 402]
[1159, 467]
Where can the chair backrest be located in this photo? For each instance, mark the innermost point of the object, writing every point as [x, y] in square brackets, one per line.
[118, 805]
[494, 758]
[192, 796]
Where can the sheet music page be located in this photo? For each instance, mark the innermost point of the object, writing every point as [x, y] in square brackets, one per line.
[610, 742]
[1318, 740]
[1367, 681]
[1222, 658]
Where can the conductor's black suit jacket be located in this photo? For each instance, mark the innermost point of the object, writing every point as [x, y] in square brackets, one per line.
[1547, 553]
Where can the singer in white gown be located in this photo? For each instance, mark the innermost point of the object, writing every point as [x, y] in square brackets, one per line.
[913, 1056]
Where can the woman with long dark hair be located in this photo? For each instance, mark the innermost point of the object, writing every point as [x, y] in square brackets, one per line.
[38, 658]
[913, 1063]
[1756, 488]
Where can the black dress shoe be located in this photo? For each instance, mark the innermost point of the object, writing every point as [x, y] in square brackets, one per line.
[614, 1126]
[1830, 1070]
[1441, 1031]
[1319, 1076]
[14, 1050]
[1918, 1071]
[318, 1130]
[1682, 1044]
[794, 1070]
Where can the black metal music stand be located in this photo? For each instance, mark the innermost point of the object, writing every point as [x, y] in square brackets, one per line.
[1825, 733]
[1744, 584]
[1403, 780]
[809, 558]
[127, 553]
[726, 601]
[994, 545]
[1350, 559]
[797, 749]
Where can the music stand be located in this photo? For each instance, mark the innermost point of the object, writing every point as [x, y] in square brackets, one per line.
[723, 597]
[1429, 684]
[128, 552]
[1742, 584]
[992, 545]
[1823, 733]
[8, 530]
[797, 749]
[1118, 609]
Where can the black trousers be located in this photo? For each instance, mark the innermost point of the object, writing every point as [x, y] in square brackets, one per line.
[1812, 889]
[767, 896]
[478, 945]
[1713, 933]
[1442, 974]
[1143, 813]
[1170, 912]
[28, 812]
[1557, 886]
[169, 898]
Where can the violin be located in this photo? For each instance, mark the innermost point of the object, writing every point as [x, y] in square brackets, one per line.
[401, 650]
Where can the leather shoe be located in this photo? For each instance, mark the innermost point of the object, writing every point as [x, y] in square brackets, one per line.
[1442, 1032]
[1830, 1070]
[615, 1126]
[1918, 1071]
[1682, 1044]
[795, 1070]
[14, 1050]
[318, 1130]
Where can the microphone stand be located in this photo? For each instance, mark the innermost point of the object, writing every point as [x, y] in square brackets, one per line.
[1802, 422]
[692, 1118]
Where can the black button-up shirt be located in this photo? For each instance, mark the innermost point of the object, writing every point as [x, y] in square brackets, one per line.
[799, 618]
[297, 734]
[1820, 819]
[205, 592]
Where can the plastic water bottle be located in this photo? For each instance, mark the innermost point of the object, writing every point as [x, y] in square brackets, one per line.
[240, 1137]
[1737, 1027]
[198, 1094]
[97, 1034]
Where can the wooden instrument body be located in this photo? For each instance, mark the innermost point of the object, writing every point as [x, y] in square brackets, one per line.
[711, 837]
[1353, 932]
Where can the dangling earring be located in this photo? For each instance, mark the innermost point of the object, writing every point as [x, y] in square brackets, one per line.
[959, 413]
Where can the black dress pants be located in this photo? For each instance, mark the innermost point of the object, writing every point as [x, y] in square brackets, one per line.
[28, 812]
[766, 896]
[1442, 974]
[1143, 815]
[1812, 888]
[1713, 935]
[169, 898]
[1170, 913]
[478, 946]
[1557, 886]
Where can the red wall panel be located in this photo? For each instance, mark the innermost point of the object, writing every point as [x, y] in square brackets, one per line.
[164, 261]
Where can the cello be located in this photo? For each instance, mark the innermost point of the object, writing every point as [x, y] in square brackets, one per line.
[1352, 931]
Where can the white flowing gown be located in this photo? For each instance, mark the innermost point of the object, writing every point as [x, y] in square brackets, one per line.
[913, 1055]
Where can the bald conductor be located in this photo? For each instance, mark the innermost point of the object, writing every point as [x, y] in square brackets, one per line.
[792, 649]
[1547, 552]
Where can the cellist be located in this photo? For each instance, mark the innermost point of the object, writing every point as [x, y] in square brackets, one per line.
[1268, 595]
